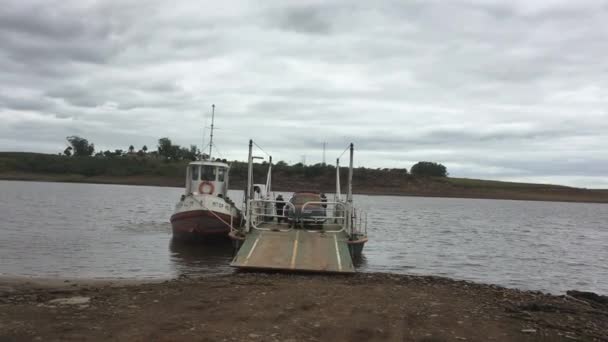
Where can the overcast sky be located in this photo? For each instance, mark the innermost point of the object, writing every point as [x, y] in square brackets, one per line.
[511, 90]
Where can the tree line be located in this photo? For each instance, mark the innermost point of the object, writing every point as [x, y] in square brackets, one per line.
[166, 150]
[81, 147]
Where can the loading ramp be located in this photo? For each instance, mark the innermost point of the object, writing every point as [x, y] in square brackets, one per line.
[295, 250]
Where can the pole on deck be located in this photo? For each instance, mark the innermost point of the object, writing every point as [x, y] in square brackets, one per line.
[338, 195]
[269, 178]
[350, 175]
[349, 197]
[248, 194]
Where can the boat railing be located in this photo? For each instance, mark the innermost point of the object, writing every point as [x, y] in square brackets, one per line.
[265, 211]
[330, 215]
[359, 223]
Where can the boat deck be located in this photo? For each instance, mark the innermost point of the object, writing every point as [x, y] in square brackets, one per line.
[294, 250]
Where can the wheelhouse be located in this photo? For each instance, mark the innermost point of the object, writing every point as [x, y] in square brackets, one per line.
[207, 177]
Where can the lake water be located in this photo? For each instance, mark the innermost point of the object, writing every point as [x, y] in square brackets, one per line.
[116, 231]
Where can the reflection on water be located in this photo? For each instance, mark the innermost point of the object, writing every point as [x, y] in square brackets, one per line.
[210, 257]
[361, 261]
[114, 231]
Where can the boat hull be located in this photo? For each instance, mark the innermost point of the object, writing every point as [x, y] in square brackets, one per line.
[200, 224]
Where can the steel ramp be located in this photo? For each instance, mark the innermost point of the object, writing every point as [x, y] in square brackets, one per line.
[295, 250]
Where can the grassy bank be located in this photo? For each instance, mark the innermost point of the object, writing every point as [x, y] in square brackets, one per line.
[148, 171]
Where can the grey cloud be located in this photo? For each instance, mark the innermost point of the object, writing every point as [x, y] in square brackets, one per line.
[306, 19]
[491, 88]
[25, 103]
[56, 21]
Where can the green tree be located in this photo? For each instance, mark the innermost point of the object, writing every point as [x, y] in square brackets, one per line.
[185, 153]
[68, 151]
[166, 148]
[131, 149]
[194, 152]
[81, 146]
[145, 148]
[425, 168]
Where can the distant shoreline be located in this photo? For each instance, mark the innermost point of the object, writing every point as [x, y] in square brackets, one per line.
[562, 194]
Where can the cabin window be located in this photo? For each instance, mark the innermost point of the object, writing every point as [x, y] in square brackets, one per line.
[195, 172]
[221, 174]
[208, 173]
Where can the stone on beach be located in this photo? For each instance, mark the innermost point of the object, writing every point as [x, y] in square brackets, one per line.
[77, 300]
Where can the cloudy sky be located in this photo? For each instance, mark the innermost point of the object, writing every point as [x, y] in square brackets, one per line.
[511, 90]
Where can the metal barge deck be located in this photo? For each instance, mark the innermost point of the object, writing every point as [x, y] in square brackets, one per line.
[296, 250]
[307, 233]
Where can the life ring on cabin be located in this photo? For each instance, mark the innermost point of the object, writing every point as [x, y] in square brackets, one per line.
[206, 188]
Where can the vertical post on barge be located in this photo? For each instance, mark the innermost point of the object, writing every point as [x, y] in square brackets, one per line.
[269, 176]
[349, 196]
[249, 194]
[338, 195]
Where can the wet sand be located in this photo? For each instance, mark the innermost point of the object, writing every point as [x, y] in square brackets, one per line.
[283, 307]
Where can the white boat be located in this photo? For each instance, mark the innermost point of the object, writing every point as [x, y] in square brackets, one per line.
[205, 210]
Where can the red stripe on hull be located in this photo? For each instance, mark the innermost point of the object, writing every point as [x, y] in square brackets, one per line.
[200, 223]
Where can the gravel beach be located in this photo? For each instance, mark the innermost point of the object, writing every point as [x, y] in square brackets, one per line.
[283, 307]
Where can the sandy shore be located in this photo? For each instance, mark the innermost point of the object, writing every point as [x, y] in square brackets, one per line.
[282, 307]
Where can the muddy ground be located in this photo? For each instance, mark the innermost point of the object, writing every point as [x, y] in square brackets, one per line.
[280, 307]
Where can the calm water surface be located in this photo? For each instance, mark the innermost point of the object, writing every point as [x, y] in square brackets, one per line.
[117, 231]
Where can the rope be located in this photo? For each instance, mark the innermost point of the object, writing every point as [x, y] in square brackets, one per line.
[347, 148]
[219, 152]
[214, 214]
[258, 146]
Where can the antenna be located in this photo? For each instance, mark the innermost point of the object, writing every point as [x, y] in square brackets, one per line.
[324, 147]
[211, 138]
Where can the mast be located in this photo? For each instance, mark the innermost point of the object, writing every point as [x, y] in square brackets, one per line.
[324, 147]
[211, 138]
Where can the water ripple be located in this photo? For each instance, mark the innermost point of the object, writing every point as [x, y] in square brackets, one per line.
[112, 231]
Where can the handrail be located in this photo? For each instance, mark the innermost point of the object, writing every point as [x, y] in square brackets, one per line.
[255, 212]
[336, 205]
[325, 204]
[351, 220]
[359, 226]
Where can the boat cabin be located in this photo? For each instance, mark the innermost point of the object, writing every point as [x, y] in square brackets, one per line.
[207, 177]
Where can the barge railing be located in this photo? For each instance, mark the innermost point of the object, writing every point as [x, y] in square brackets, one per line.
[263, 211]
[338, 214]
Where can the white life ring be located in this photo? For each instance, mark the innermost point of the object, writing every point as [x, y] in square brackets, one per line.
[206, 188]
